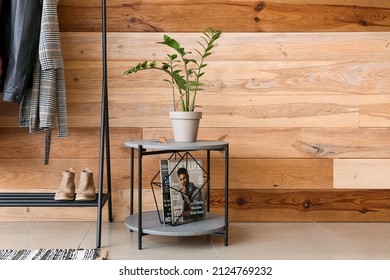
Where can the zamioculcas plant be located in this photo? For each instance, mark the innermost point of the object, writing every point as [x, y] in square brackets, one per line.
[185, 71]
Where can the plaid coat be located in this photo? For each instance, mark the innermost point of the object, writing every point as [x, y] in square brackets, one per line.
[47, 98]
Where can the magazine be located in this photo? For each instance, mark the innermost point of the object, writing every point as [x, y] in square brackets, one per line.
[187, 191]
[166, 194]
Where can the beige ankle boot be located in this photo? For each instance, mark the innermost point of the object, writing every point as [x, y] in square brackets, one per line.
[67, 187]
[86, 188]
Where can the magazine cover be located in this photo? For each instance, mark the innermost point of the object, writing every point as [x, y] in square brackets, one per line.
[187, 191]
[166, 194]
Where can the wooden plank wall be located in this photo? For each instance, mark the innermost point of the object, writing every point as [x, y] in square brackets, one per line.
[299, 88]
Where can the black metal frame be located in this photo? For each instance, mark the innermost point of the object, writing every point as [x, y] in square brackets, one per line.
[206, 176]
[104, 135]
[47, 199]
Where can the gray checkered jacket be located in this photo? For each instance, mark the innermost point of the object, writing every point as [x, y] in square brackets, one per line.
[47, 98]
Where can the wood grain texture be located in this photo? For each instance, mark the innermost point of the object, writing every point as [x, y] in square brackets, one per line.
[287, 46]
[375, 111]
[82, 143]
[257, 79]
[277, 174]
[248, 15]
[361, 174]
[17, 175]
[244, 206]
[257, 143]
[267, 111]
[306, 205]
[49, 214]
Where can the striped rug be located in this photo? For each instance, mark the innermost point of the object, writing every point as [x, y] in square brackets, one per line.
[53, 254]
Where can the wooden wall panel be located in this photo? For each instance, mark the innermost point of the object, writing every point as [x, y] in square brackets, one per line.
[302, 101]
[268, 111]
[81, 143]
[247, 15]
[361, 174]
[279, 174]
[48, 178]
[49, 214]
[306, 205]
[296, 46]
[375, 111]
[9, 114]
[254, 143]
[245, 205]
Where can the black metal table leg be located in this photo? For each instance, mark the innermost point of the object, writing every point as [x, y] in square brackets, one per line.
[140, 151]
[131, 181]
[226, 194]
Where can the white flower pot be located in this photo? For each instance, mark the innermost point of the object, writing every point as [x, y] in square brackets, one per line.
[185, 125]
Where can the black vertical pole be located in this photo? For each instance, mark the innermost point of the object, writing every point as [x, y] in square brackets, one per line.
[131, 181]
[106, 116]
[226, 194]
[104, 134]
[140, 155]
[208, 180]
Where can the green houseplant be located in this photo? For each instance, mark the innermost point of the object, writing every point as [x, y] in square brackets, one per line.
[185, 70]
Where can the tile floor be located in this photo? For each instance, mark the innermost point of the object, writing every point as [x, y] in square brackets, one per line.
[272, 241]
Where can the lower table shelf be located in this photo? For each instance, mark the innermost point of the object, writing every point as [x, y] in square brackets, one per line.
[151, 225]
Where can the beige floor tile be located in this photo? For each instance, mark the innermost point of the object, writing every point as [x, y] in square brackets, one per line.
[32, 235]
[272, 241]
[283, 241]
[369, 240]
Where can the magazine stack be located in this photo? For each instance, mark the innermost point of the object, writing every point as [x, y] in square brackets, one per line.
[183, 192]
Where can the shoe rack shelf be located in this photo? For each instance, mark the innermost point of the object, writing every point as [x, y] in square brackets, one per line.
[24, 199]
[15, 199]
[19, 199]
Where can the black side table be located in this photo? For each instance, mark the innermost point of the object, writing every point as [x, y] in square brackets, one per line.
[146, 222]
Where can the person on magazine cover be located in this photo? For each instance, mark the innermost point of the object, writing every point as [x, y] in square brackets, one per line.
[192, 196]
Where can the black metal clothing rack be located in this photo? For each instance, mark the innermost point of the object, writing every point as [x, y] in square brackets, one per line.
[47, 199]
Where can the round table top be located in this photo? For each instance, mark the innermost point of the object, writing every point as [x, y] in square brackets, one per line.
[172, 145]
